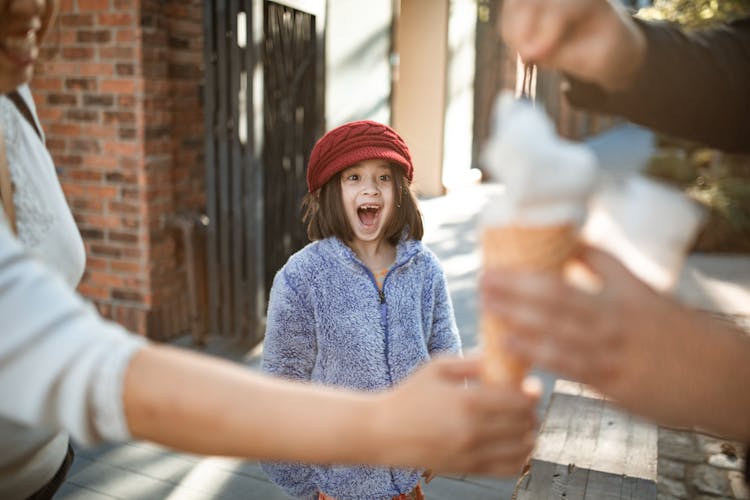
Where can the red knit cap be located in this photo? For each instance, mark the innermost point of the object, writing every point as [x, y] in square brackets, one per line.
[351, 143]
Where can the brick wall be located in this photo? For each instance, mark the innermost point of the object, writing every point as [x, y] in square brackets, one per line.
[118, 95]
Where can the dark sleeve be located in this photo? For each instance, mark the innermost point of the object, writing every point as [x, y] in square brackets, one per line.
[694, 85]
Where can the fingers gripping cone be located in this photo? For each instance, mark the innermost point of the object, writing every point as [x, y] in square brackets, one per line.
[543, 248]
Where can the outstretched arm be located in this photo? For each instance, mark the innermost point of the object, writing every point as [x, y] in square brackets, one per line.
[482, 430]
[63, 367]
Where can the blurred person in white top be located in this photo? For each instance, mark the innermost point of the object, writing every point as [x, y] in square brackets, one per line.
[32, 456]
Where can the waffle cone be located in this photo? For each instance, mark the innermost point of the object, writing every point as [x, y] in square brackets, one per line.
[522, 248]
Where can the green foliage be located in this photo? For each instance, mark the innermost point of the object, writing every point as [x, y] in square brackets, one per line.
[695, 13]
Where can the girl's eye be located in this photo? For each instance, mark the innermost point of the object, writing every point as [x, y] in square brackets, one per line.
[353, 177]
[385, 177]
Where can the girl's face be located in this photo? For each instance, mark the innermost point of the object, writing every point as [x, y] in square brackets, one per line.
[367, 192]
[22, 25]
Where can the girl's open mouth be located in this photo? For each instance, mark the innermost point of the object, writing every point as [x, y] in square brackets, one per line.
[368, 214]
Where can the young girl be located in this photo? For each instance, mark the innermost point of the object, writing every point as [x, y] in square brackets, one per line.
[365, 303]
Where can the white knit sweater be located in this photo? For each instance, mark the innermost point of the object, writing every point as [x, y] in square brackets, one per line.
[44, 379]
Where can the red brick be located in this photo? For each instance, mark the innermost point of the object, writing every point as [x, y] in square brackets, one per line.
[87, 204]
[98, 100]
[55, 143]
[81, 115]
[128, 238]
[61, 98]
[127, 86]
[116, 53]
[80, 84]
[126, 101]
[105, 251]
[79, 69]
[105, 280]
[126, 36]
[128, 5]
[65, 129]
[52, 83]
[95, 264]
[93, 191]
[122, 148]
[124, 208]
[127, 117]
[128, 295]
[78, 53]
[115, 19]
[134, 282]
[95, 5]
[84, 175]
[76, 20]
[99, 161]
[98, 131]
[93, 291]
[120, 177]
[65, 37]
[49, 114]
[126, 267]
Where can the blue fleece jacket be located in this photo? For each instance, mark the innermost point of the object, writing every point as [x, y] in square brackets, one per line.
[329, 323]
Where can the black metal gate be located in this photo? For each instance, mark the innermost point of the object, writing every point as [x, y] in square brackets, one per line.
[293, 99]
[263, 103]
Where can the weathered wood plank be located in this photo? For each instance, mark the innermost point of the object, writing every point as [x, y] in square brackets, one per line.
[590, 450]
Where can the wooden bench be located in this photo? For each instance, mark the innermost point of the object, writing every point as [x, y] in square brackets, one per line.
[587, 449]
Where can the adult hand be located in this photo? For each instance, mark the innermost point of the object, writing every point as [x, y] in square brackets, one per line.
[594, 40]
[437, 420]
[650, 354]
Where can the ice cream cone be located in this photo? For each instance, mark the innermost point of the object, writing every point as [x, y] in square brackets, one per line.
[543, 248]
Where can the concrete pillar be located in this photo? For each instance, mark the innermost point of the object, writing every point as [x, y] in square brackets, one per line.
[419, 93]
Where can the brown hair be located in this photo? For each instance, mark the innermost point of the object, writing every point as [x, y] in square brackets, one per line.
[323, 212]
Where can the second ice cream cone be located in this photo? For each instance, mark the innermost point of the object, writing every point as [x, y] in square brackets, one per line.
[517, 247]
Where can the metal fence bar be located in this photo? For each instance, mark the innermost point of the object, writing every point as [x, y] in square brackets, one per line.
[223, 174]
[209, 104]
[254, 205]
[236, 173]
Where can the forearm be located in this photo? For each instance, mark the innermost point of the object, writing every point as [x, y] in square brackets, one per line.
[692, 85]
[723, 384]
[172, 397]
[701, 376]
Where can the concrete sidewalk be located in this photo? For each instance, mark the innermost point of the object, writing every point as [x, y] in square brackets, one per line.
[145, 471]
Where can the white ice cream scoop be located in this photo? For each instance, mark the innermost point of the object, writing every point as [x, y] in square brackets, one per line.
[548, 179]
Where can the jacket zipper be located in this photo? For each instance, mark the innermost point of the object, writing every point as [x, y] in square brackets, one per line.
[384, 308]
[384, 323]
